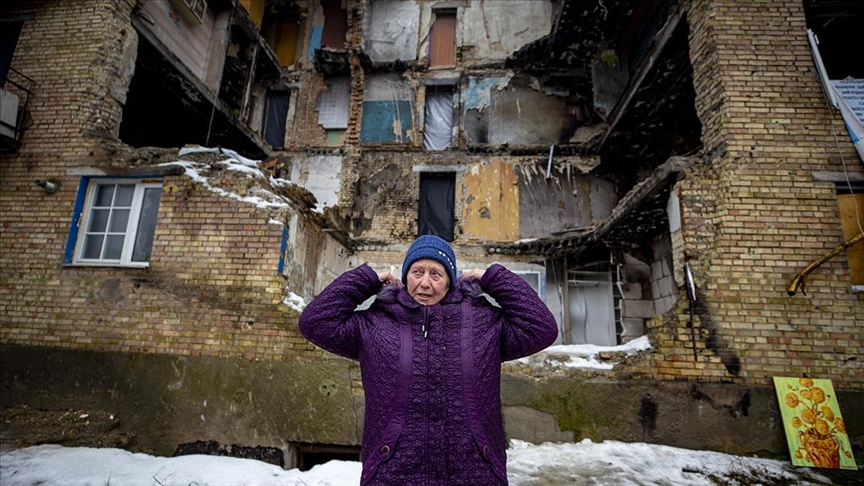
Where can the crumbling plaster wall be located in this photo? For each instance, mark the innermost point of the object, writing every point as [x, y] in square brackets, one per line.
[498, 198]
[500, 108]
[567, 200]
[391, 30]
[306, 132]
[487, 32]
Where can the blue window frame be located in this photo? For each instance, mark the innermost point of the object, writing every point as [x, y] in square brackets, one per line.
[114, 222]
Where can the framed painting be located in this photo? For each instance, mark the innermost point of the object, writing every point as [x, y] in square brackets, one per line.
[815, 431]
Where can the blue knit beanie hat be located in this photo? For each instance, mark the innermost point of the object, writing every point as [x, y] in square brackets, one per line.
[433, 248]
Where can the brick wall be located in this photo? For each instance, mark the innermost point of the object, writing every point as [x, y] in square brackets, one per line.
[753, 217]
[213, 286]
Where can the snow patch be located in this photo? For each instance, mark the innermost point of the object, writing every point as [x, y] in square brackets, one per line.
[583, 355]
[295, 302]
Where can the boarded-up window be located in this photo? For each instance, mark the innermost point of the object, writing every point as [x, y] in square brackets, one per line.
[274, 120]
[438, 118]
[442, 39]
[335, 26]
[437, 198]
[852, 218]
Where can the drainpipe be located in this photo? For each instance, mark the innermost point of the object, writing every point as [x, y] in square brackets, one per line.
[549, 166]
[798, 281]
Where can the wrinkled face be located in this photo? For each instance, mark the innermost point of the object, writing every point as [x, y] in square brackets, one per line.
[428, 282]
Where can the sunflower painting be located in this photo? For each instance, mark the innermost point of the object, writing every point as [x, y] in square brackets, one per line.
[814, 428]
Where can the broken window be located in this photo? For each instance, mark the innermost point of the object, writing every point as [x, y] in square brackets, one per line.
[118, 220]
[335, 25]
[437, 198]
[442, 39]
[438, 118]
[274, 118]
[851, 200]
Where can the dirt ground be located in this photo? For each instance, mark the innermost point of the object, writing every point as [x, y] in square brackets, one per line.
[22, 427]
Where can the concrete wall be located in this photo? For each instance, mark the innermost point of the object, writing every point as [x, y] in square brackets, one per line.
[164, 401]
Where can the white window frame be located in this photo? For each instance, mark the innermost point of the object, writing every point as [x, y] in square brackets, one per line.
[131, 231]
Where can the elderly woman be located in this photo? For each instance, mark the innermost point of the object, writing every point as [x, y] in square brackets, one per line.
[430, 355]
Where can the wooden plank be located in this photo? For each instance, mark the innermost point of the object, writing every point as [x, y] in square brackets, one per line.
[442, 40]
[852, 222]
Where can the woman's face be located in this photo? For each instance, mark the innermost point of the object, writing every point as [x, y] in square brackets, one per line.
[428, 282]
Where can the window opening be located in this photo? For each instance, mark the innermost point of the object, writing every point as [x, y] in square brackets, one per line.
[335, 25]
[275, 118]
[837, 25]
[442, 39]
[282, 31]
[9, 33]
[118, 222]
[831, 28]
[437, 198]
[310, 455]
[438, 118]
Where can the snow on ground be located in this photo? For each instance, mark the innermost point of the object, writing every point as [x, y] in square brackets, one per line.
[583, 463]
[583, 355]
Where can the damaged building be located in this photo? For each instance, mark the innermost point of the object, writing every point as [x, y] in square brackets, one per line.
[180, 176]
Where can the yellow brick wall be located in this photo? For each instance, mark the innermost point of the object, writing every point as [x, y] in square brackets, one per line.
[213, 286]
[753, 215]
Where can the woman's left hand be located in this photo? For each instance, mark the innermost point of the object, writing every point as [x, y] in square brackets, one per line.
[388, 278]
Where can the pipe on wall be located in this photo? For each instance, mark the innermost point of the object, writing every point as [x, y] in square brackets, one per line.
[798, 281]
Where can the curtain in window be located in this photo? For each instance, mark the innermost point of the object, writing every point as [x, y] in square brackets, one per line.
[438, 120]
[274, 126]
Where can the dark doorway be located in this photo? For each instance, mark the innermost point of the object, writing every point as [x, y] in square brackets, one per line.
[437, 198]
[274, 122]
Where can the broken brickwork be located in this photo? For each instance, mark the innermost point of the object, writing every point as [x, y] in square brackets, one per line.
[714, 159]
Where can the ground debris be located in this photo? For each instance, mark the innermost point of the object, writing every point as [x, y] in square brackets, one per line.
[22, 426]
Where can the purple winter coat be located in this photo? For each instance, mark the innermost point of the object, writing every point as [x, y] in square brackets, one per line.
[433, 402]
